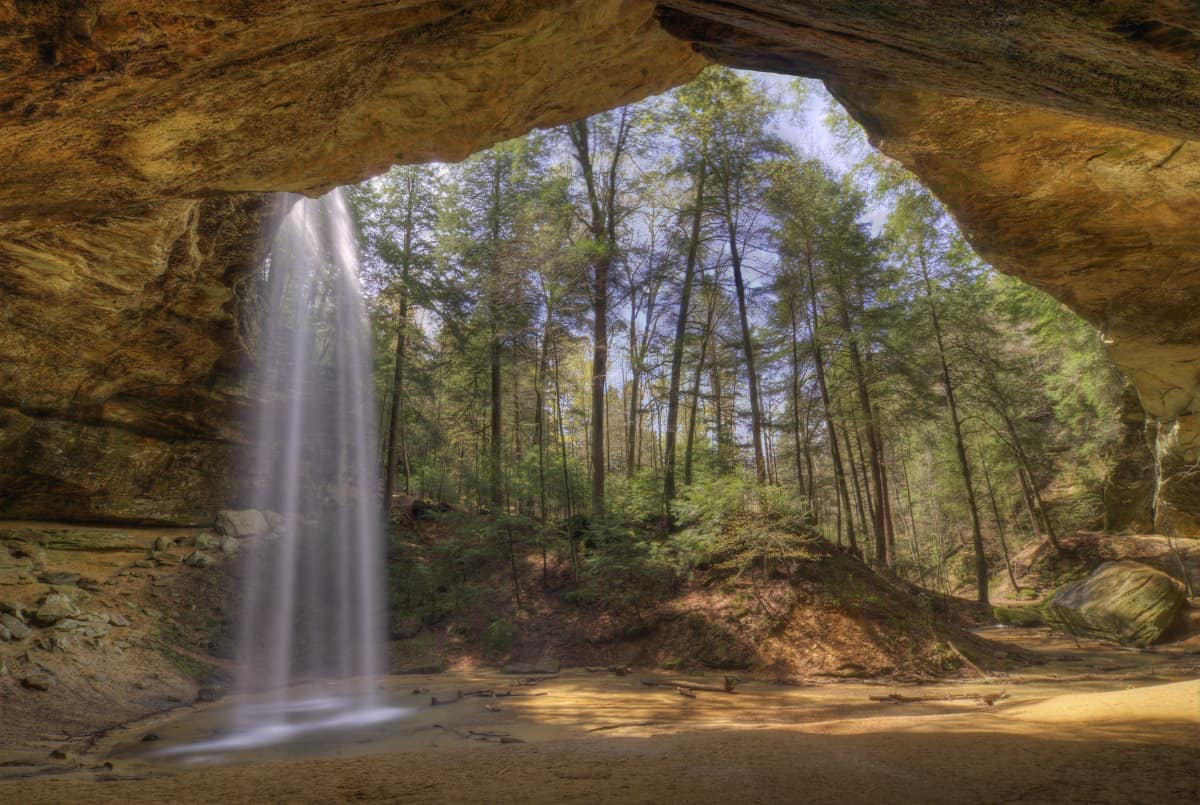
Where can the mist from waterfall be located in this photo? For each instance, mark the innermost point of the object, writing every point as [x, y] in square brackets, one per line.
[313, 604]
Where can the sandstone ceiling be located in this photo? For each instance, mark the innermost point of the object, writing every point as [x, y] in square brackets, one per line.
[1061, 135]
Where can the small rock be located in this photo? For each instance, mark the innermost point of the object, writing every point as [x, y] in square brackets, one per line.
[242, 523]
[118, 620]
[5, 635]
[37, 682]
[230, 546]
[81, 628]
[12, 608]
[197, 559]
[150, 736]
[164, 544]
[206, 541]
[15, 627]
[145, 564]
[152, 613]
[55, 608]
[59, 577]
[61, 754]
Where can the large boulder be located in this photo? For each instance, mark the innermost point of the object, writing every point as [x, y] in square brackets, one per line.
[1126, 602]
[242, 523]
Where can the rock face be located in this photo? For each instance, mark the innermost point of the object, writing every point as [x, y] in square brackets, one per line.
[1062, 136]
[106, 104]
[118, 354]
[1125, 601]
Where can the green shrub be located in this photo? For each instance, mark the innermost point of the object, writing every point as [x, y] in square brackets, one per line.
[501, 635]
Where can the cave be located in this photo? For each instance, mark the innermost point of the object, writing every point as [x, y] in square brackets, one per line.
[142, 142]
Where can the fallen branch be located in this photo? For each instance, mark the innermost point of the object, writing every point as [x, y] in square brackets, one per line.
[1150, 676]
[899, 698]
[619, 670]
[486, 693]
[458, 733]
[530, 681]
[627, 724]
[730, 684]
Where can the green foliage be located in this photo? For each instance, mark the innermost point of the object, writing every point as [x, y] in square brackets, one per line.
[501, 635]
[734, 524]
[623, 570]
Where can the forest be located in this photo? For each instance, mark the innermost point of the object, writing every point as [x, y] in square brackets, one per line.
[634, 329]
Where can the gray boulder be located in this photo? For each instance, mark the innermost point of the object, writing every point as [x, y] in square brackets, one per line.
[1125, 602]
[230, 546]
[206, 541]
[197, 559]
[164, 543]
[55, 608]
[13, 625]
[242, 523]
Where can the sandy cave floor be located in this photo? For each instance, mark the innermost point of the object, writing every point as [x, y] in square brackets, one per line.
[1093, 724]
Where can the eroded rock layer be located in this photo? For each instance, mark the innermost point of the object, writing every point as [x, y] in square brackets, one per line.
[110, 102]
[118, 361]
[1062, 136]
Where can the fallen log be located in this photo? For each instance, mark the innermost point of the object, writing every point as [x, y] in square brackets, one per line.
[627, 724]
[730, 684]
[619, 670]
[899, 698]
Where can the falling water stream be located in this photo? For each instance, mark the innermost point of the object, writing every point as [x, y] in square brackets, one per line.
[313, 594]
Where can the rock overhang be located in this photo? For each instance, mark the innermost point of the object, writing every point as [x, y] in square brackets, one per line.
[1061, 138]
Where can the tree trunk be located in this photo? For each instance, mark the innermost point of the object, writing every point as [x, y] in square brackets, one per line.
[987, 481]
[819, 363]
[394, 424]
[912, 517]
[981, 574]
[1023, 464]
[685, 297]
[760, 467]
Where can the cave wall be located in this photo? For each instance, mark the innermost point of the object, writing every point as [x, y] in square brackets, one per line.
[119, 358]
[1062, 137]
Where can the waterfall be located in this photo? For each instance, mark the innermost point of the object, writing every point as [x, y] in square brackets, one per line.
[312, 593]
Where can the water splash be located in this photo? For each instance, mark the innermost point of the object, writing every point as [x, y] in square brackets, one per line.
[313, 596]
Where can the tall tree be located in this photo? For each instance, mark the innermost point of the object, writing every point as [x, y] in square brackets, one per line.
[600, 145]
